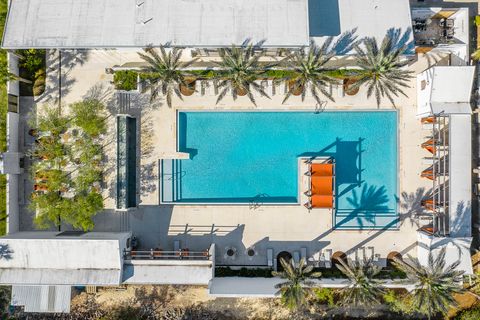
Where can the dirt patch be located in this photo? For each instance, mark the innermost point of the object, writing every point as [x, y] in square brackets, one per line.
[188, 296]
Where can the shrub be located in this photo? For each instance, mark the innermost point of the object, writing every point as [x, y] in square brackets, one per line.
[243, 272]
[469, 314]
[89, 116]
[125, 80]
[39, 82]
[325, 296]
[32, 60]
[399, 303]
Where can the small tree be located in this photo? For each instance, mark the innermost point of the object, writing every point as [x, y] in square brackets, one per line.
[363, 289]
[89, 115]
[49, 121]
[84, 208]
[435, 283]
[50, 207]
[297, 285]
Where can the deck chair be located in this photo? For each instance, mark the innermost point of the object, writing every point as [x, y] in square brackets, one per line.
[296, 257]
[328, 258]
[316, 258]
[303, 253]
[371, 253]
[270, 257]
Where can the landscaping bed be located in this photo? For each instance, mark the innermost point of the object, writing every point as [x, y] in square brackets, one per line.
[67, 172]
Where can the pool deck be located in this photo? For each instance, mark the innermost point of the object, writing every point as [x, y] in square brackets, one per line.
[282, 227]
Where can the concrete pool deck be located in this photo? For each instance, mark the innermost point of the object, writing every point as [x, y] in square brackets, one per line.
[278, 227]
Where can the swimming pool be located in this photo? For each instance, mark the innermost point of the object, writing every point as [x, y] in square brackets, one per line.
[251, 157]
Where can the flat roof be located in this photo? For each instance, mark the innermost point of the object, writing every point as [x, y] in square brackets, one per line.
[370, 18]
[445, 89]
[44, 258]
[460, 174]
[130, 23]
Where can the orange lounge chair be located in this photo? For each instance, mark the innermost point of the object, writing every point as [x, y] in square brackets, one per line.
[428, 173]
[429, 142]
[322, 201]
[428, 120]
[431, 149]
[322, 169]
[322, 185]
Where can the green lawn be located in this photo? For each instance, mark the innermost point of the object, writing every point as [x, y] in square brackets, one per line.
[3, 127]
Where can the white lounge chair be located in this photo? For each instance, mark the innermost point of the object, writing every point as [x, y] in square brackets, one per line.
[353, 255]
[303, 253]
[270, 257]
[361, 253]
[371, 253]
[316, 258]
[328, 258]
[296, 257]
[176, 245]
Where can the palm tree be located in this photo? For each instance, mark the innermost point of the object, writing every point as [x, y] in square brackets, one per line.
[435, 283]
[363, 289]
[380, 69]
[309, 72]
[239, 68]
[165, 72]
[295, 289]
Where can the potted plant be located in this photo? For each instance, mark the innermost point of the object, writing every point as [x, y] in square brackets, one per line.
[349, 86]
[295, 87]
[187, 87]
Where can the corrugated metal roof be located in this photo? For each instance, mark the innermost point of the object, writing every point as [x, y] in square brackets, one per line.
[130, 23]
[369, 18]
[46, 259]
[42, 298]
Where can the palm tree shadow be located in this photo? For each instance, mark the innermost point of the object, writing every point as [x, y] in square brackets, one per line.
[367, 203]
[402, 40]
[411, 205]
[5, 252]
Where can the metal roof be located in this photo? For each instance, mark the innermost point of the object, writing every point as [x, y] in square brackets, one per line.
[460, 175]
[139, 23]
[445, 89]
[369, 18]
[42, 258]
[42, 298]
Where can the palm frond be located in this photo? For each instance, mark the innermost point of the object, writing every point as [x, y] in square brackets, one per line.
[435, 283]
[310, 71]
[297, 282]
[380, 69]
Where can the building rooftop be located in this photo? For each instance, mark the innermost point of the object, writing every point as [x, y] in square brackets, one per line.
[129, 23]
[44, 258]
[445, 89]
[370, 18]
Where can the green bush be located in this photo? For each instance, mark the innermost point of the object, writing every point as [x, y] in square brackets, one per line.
[89, 115]
[39, 83]
[125, 80]
[243, 272]
[469, 314]
[399, 303]
[325, 296]
[477, 21]
[32, 60]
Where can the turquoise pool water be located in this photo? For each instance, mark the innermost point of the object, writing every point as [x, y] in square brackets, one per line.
[251, 157]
